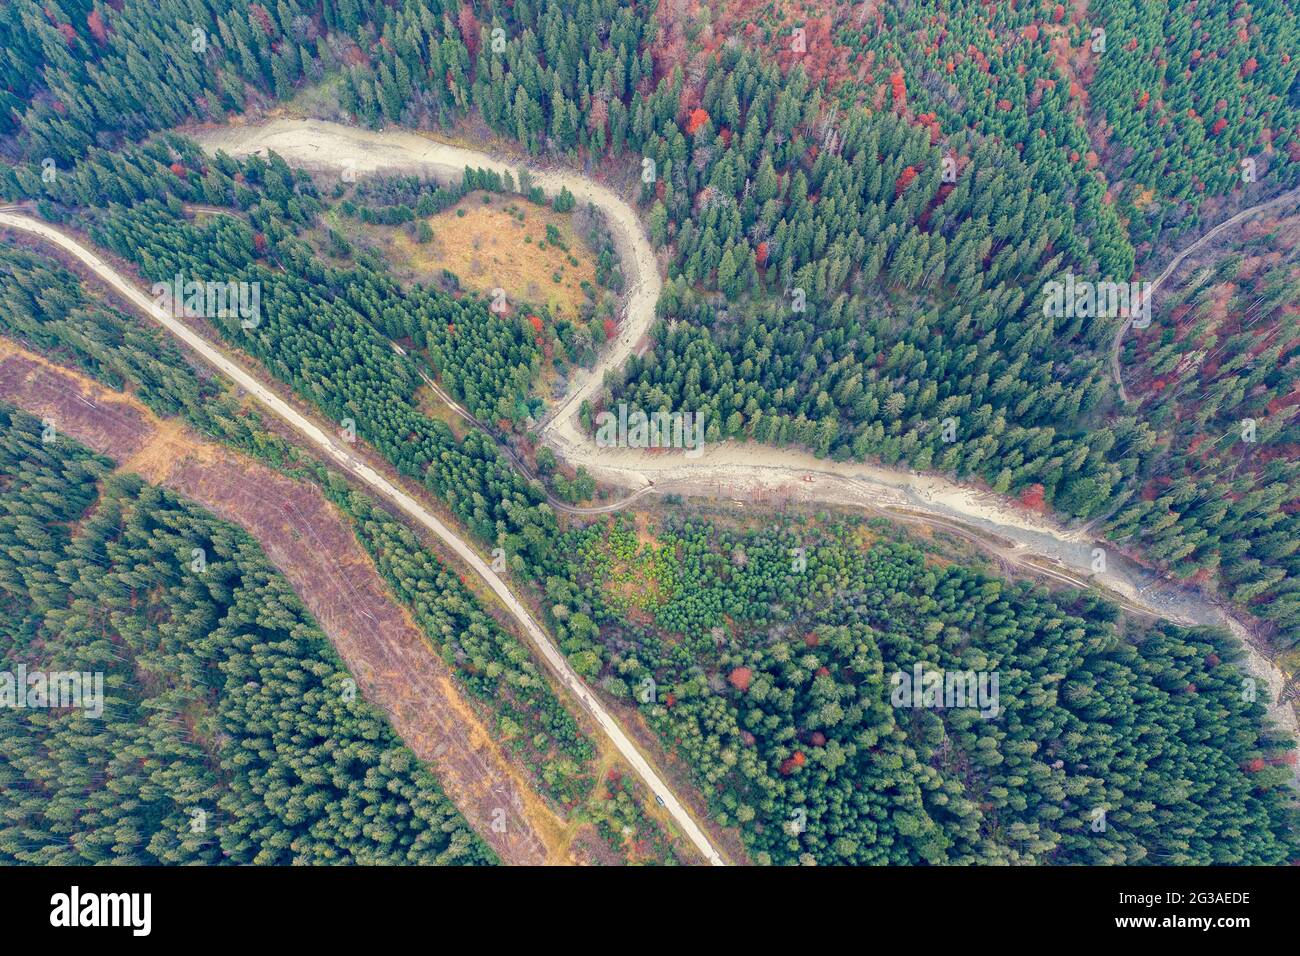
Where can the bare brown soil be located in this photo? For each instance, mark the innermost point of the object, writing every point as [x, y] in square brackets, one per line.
[307, 539]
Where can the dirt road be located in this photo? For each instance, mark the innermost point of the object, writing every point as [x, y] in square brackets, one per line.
[320, 146]
[740, 470]
[1292, 198]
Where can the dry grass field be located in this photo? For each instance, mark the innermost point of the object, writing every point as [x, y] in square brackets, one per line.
[495, 241]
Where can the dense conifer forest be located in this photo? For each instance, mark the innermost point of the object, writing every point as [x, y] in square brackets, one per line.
[228, 733]
[858, 209]
[1113, 742]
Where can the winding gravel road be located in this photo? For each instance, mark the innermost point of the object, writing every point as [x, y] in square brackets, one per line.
[747, 473]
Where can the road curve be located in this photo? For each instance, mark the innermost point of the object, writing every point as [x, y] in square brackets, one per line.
[353, 153]
[747, 472]
[1288, 197]
[318, 437]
